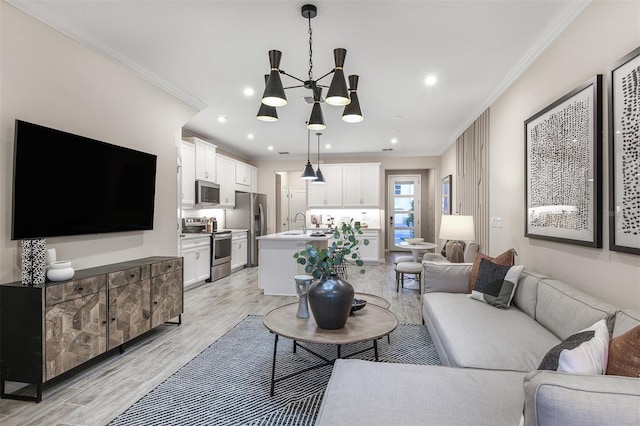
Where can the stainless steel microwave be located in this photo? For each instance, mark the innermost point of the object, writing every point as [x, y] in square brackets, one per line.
[207, 193]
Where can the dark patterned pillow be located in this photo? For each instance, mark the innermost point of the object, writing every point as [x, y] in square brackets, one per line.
[496, 284]
[582, 353]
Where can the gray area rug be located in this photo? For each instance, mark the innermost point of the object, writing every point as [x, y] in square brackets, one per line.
[228, 383]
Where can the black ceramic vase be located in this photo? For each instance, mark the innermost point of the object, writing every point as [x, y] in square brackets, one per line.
[330, 299]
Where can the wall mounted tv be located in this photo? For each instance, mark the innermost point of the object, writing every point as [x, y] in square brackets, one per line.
[65, 184]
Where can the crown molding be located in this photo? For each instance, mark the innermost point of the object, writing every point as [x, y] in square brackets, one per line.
[552, 32]
[46, 16]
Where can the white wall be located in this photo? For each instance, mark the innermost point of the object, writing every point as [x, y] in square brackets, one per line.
[49, 79]
[605, 32]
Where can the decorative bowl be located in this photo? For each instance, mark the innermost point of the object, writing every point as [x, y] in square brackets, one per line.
[358, 304]
[414, 240]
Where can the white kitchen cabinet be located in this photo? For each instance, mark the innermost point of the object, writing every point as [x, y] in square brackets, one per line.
[243, 176]
[188, 154]
[205, 160]
[238, 250]
[370, 253]
[196, 253]
[361, 185]
[329, 194]
[226, 177]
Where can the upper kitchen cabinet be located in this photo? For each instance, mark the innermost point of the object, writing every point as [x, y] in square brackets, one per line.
[361, 185]
[188, 154]
[243, 177]
[226, 177]
[329, 194]
[205, 159]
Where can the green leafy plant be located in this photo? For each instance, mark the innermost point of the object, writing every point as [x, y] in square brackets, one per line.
[322, 262]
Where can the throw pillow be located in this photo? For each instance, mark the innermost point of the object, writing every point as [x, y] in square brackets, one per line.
[446, 249]
[624, 354]
[496, 284]
[582, 353]
[506, 259]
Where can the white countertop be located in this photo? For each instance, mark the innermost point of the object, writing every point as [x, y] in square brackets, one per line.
[295, 236]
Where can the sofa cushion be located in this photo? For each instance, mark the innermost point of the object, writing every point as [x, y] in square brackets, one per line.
[565, 310]
[626, 319]
[582, 353]
[496, 284]
[526, 296]
[376, 393]
[471, 334]
[553, 398]
[449, 277]
[506, 259]
[624, 354]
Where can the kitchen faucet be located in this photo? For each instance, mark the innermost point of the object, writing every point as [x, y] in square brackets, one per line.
[304, 225]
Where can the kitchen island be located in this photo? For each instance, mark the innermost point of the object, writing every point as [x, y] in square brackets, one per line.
[276, 265]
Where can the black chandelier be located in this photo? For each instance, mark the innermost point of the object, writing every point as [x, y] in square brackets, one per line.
[338, 94]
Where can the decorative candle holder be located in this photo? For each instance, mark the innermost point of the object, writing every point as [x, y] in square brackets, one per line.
[302, 288]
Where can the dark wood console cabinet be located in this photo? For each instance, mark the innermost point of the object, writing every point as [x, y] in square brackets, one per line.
[49, 329]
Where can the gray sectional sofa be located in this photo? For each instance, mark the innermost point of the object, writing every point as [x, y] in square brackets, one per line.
[490, 358]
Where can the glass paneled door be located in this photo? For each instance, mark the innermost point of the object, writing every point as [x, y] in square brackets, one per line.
[404, 208]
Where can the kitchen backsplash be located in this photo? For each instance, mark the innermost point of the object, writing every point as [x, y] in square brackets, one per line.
[370, 217]
[217, 213]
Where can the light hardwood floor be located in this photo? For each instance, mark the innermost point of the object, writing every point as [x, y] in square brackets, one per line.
[102, 391]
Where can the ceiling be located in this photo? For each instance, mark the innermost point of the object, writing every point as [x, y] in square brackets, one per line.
[207, 52]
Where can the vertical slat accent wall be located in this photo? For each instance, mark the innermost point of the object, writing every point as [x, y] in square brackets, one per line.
[472, 179]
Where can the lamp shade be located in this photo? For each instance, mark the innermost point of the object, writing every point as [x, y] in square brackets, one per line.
[308, 172]
[352, 112]
[319, 177]
[338, 93]
[316, 121]
[274, 92]
[266, 112]
[457, 228]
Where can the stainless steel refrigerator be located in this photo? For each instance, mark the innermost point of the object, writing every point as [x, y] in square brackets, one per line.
[249, 213]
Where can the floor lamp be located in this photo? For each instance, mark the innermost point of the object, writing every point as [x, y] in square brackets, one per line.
[457, 229]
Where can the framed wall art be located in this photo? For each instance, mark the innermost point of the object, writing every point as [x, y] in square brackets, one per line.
[446, 195]
[563, 168]
[624, 154]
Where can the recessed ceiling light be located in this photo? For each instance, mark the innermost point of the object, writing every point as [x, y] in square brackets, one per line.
[222, 119]
[394, 140]
[248, 91]
[250, 136]
[328, 146]
[430, 80]
[270, 148]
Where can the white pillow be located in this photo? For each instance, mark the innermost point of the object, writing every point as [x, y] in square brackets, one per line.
[585, 352]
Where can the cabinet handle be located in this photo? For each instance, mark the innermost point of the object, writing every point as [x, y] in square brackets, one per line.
[104, 322]
[155, 302]
[113, 319]
[80, 288]
[132, 275]
[197, 255]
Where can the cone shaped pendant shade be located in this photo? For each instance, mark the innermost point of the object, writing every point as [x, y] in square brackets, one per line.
[316, 121]
[352, 112]
[338, 93]
[266, 112]
[274, 92]
[308, 172]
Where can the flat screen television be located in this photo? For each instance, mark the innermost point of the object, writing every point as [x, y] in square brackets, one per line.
[65, 184]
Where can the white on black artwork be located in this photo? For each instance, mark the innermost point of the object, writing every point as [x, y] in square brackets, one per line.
[562, 150]
[624, 153]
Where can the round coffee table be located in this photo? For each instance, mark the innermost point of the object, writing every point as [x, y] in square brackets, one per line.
[368, 324]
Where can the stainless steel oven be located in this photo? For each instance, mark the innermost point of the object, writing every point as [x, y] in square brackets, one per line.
[220, 254]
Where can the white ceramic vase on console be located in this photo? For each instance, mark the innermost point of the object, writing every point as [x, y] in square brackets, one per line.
[60, 271]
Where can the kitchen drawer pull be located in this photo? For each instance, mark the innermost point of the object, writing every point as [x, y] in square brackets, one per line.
[80, 288]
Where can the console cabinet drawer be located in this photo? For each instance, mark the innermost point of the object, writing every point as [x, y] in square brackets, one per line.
[59, 293]
[165, 267]
[117, 279]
